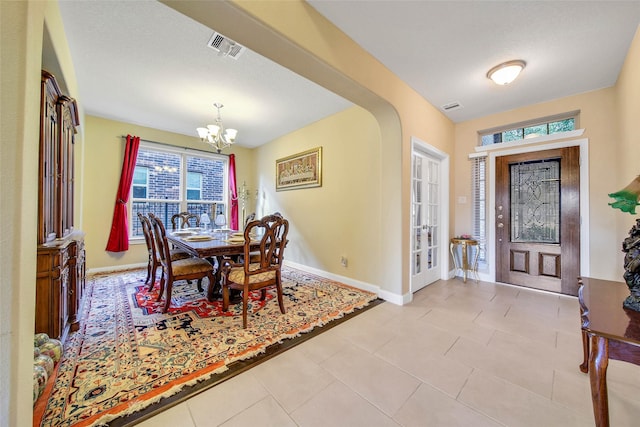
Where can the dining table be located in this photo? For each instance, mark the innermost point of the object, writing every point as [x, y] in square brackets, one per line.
[213, 245]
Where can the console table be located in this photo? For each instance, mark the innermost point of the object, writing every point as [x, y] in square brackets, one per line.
[459, 248]
[608, 332]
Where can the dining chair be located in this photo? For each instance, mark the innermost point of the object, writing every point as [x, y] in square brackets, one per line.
[261, 268]
[183, 219]
[153, 262]
[181, 269]
[249, 218]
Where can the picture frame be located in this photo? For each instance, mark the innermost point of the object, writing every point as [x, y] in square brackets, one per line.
[301, 170]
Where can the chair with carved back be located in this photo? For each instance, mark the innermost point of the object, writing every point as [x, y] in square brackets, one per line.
[249, 218]
[184, 220]
[153, 262]
[182, 269]
[261, 268]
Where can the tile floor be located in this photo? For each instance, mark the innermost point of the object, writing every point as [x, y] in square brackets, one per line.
[461, 354]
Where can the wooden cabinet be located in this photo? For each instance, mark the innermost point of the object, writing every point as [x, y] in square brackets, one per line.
[60, 260]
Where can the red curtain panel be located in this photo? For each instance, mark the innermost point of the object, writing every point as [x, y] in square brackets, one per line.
[233, 223]
[119, 236]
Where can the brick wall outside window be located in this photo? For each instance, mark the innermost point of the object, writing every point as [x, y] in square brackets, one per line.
[164, 184]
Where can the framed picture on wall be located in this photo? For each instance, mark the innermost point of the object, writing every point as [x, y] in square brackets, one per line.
[302, 170]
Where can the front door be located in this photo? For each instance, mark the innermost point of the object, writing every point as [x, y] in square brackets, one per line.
[425, 221]
[538, 219]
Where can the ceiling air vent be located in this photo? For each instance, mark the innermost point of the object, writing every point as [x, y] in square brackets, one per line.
[451, 106]
[225, 46]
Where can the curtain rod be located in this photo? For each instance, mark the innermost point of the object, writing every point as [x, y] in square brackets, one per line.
[177, 146]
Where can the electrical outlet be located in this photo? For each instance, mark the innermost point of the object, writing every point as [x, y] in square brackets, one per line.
[343, 261]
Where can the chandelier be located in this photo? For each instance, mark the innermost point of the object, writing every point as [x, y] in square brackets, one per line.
[216, 135]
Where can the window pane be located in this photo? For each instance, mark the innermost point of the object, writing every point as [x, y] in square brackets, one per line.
[535, 202]
[162, 210]
[140, 176]
[535, 130]
[139, 192]
[194, 180]
[561, 126]
[193, 194]
[212, 176]
[490, 139]
[164, 173]
[512, 135]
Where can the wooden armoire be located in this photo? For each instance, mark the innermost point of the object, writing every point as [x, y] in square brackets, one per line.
[60, 279]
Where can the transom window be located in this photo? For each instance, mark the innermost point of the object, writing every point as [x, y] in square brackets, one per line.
[522, 131]
[170, 180]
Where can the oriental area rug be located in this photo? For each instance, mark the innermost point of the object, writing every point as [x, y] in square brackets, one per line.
[128, 355]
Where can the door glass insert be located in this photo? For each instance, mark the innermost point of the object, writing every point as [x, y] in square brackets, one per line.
[535, 201]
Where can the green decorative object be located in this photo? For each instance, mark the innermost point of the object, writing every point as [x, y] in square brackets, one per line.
[627, 199]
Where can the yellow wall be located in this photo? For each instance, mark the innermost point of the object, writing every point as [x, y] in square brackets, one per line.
[598, 117]
[104, 149]
[294, 35]
[628, 147]
[342, 217]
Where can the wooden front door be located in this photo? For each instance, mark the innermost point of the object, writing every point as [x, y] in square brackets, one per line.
[538, 219]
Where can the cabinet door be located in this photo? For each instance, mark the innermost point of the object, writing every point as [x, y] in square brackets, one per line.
[48, 160]
[69, 121]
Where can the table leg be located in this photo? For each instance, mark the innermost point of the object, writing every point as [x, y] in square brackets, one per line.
[465, 262]
[584, 367]
[598, 363]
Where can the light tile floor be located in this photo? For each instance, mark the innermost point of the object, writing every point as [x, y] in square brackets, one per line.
[461, 354]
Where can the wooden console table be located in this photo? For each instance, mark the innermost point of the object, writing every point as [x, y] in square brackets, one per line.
[608, 332]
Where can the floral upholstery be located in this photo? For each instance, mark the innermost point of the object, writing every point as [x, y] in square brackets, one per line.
[190, 265]
[237, 274]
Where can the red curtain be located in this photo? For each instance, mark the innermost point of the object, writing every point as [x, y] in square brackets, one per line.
[233, 223]
[119, 236]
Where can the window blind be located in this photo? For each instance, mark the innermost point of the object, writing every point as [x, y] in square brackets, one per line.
[479, 203]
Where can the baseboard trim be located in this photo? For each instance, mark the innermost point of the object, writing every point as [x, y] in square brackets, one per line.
[115, 268]
[385, 295]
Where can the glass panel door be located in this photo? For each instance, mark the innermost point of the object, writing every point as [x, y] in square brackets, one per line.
[425, 223]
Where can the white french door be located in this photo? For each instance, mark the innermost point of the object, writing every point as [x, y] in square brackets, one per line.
[426, 221]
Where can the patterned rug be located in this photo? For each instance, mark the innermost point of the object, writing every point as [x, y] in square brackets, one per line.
[128, 355]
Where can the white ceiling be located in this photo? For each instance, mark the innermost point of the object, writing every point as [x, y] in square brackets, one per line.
[143, 63]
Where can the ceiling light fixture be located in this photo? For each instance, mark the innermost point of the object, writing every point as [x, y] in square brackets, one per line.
[216, 135]
[507, 72]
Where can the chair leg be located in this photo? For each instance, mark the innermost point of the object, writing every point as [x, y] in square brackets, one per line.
[263, 294]
[168, 297]
[148, 273]
[161, 290]
[225, 296]
[211, 289]
[280, 300]
[199, 285]
[154, 269]
[245, 303]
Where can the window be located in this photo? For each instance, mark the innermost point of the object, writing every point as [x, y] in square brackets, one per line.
[194, 185]
[538, 127]
[140, 182]
[479, 204]
[171, 180]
